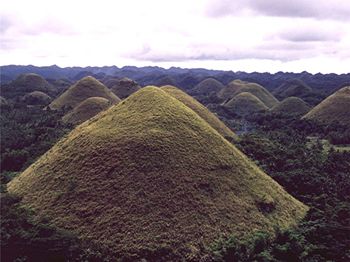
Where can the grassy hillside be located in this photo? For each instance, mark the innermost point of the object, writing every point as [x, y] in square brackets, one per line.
[238, 86]
[245, 103]
[207, 86]
[333, 108]
[292, 87]
[86, 109]
[149, 178]
[291, 106]
[201, 110]
[81, 90]
[36, 98]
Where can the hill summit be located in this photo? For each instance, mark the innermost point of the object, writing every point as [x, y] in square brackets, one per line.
[207, 86]
[292, 106]
[201, 110]
[333, 108]
[122, 87]
[245, 103]
[292, 87]
[86, 109]
[239, 86]
[31, 82]
[149, 178]
[81, 90]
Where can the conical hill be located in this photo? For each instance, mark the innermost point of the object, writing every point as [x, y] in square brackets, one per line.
[245, 103]
[291, 106]
[333, 108]
[201, 110]
[81, 90]
[238, 86]
[207, 86]
[123, 87]
[86, 109]
[149, 178]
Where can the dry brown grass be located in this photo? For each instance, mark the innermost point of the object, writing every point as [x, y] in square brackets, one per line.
[83, 89]
[86, 109]
[245, 103]
[292, 106]
[333, 108]
[201, 110]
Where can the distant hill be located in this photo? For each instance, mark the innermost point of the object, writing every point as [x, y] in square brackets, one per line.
[31, 82]
[333, 108]
[207, 86]
[86, 110]
[36, 98]
[81, 90]
[291, 106]
[122, 87]
[238, 86]
[201, 110]
[245, 103]
[150, 179]
[292, 87]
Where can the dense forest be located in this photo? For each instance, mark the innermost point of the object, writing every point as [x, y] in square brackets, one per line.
[309, 159]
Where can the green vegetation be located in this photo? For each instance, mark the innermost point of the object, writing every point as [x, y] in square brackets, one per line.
[83, 89]
[149, 178]
[280, 145]
[291, 106]
[26, 134]
[36, 98]
[237, 86]
[245, 103]
[201, 110]
[333, 108]
[293, 87]
[86, 110]
[208, 86]
[122, 87]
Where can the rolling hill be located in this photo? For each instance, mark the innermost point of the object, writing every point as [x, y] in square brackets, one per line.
[86, 110]
[292, 87]
[36, 98]
[81, 90]
[245, 103]
[238, 86]
[149, 178]
[31, 82]
[122, 87]
[201, 110]
[291, 106]
[333, 108]
[207, 86]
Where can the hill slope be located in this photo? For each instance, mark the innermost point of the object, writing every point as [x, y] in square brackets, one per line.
[86, 110]
[333, 108]
[207, 86]
[245, 103]
[122, 87]
[150, 178]
[292, 87]
[31, 82]
[36, 98]
[238, 86]
[291, 106]
[201, 110]
[81, 90]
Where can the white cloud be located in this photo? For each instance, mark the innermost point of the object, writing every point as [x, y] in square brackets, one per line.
[253, 36]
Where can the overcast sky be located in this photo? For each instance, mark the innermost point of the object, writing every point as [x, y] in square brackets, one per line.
[238, 35]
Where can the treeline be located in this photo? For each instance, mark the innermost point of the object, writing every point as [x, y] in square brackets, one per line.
[318, 178]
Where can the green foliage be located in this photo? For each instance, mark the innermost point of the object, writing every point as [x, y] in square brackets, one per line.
[27, 133]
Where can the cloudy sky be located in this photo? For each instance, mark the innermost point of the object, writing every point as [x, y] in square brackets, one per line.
[238, 35]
